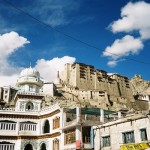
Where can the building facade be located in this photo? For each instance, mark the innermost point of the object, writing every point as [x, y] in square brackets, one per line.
[35, 119]
[101, 89]
[26, 125]
[129, 132]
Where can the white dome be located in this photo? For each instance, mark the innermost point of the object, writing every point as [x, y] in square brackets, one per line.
[29, 76]
[30, 72]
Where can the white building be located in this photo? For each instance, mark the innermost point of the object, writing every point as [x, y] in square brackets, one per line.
[29, 123]
[130, 132]
[27, 126]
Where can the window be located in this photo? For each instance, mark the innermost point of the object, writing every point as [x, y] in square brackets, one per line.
[6, 91]
[106, 141]
[6, 145]
[46, 127]
[28, 147]
[29, 106]
[7, 125]
[128, 137]
[43, 146]
[56, 123]
[70, 137]
[86, 134]
[143, 135]
[30, 87]
[27, 126]
[56, 144]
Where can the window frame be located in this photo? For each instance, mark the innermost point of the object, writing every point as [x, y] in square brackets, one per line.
[128, 137]
[56, 144]
[56, 122]
[70, 136]
[145, 138]
[106, 141]
[29, 106]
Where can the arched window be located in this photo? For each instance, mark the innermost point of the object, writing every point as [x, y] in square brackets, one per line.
[56, 144]
[56, 122]
[46, 127]
[29, 106]
[28, 147]
[43, 146]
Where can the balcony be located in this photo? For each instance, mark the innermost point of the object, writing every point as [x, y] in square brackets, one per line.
[27, 128]
[7, 126]
[6, 145]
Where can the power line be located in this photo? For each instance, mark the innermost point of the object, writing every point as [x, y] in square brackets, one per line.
[67, 35]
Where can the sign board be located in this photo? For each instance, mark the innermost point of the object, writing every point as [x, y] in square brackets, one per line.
[136, 146]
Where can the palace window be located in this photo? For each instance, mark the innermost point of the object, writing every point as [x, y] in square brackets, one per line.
[43, 146]
[6, 146]
[143, 134]
[27, 126]
[46, 128]
[55, 144]
[7, 125]
[31, 88]
[29, 106]
[56, 122]
[128, 137]
[28, 147]
[70, 136]
[106, 141]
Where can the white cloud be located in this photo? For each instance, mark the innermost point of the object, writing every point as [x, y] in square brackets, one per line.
[112, 63]
[122, 47]
[8, 80]
[134, 16]
[48, 68]
[9, 43]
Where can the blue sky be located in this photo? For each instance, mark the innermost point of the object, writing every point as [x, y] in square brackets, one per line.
[119, 29]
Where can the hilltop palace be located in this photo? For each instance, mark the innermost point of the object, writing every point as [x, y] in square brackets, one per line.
[64, 116]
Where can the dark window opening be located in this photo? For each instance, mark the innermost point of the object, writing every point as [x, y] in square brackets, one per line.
[143, 135]
[43, 146]
[46, 127]
[28, 147]
[86, 134]
[29, 106]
